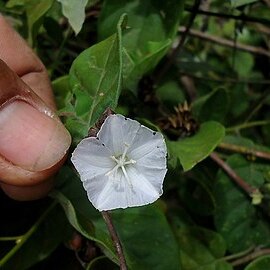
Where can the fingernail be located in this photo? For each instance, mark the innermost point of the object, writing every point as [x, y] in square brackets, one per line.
[30, 139]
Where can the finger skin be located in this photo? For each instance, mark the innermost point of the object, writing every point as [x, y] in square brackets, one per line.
[27, 193]
[19, 57]
[16, 182]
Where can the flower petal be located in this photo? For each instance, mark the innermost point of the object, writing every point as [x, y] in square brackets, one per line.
[115, 194]
[145, 190]
[91, 158]
[94, 188]
[117, 131]
[154, 159]
[148, 143]
[118, 193]
[153, 175]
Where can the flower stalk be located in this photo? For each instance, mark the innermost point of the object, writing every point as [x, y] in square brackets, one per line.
[116, 241]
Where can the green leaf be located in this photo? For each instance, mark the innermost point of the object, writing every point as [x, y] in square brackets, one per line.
[241, 224]
[212, 106]
[15, 3]
[170, 93]
[238, 104]
[147, 237]
[202, 249]
[35, 12]
[144, 231]
[196, 192]
[61, 91]
[261, 263]
[134, 68]
[79, 211]
[39, 241]
[243, 63]
[152, 26]
[73, 10]
[148, 21]
[95, 79]
[194, 149]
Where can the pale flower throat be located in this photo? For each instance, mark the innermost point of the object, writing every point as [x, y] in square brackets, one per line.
[121, 162]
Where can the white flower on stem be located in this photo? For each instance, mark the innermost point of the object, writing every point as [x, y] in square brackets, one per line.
[123, 166]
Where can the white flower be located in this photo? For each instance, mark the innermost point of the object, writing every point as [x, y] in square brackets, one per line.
[123, 166]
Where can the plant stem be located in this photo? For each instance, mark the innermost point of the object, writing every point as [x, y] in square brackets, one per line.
[248, 125]
[226, 80]
[267, 2]
[27, 235]
[119, 250]
[11, 238]
[250, 190]
[242, 17]
[238, 255]
[182, 40]
[251, 256]
[92, 263]
[244, 150]
[57, 58]
[224, 42]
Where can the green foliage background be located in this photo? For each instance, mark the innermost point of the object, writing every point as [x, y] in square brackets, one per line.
[143, 59]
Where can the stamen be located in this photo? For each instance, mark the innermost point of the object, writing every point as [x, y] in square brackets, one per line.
[115, 159]
[121, 161]
[127, 177]
[125, 151]
[112, 170]
[131, 161]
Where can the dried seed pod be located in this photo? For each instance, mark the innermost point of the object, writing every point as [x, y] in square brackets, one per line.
[179, 124]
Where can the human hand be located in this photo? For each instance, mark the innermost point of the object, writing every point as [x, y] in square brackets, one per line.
[33, 141]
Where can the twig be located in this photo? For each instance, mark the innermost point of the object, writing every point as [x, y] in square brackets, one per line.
[250, 190]
[238, 255]
[261, 28]
[267, 2]
[189, 86]
[182, 40]
[225, 42]
[241, 17]
[226, 80]
[248, 125]
[108, 220]
[244, 150]
[251, 256]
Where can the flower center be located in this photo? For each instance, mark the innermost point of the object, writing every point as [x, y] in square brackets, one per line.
[121, 162]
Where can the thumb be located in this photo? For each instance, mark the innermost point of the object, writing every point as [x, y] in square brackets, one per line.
[32, 138]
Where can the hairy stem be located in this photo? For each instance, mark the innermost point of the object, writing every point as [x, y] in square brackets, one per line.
[224, 42]
[248, 125]
[251, 256]
[239, 254]
[119, 250]
[244, 150]
[250, 190]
